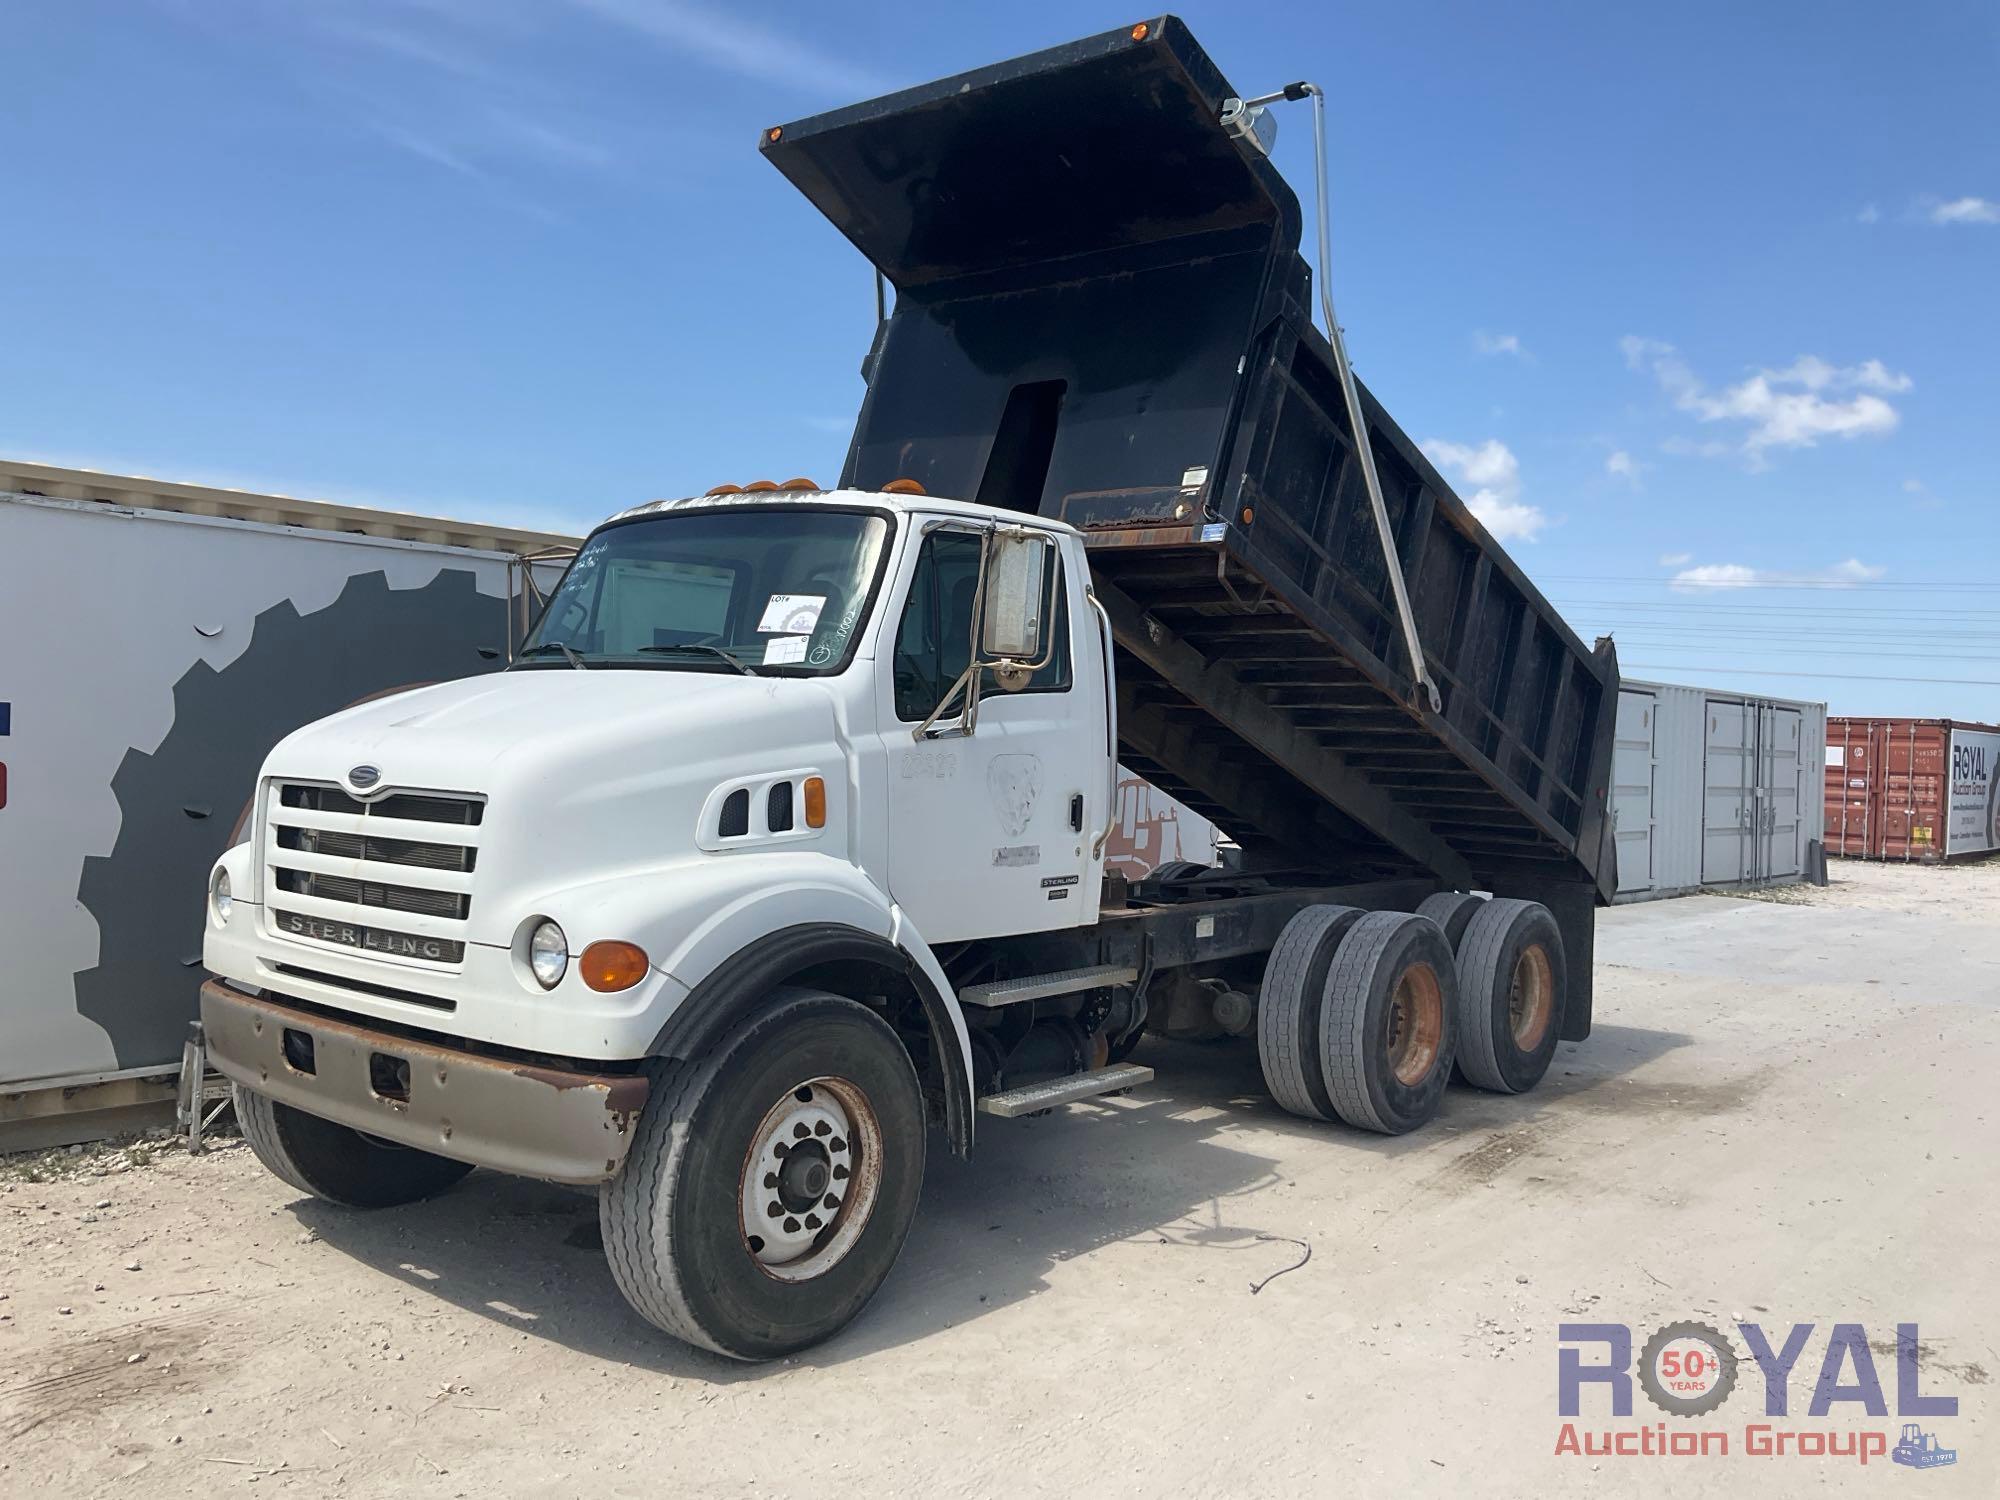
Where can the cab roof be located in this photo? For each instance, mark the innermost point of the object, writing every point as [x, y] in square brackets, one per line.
[901, 504]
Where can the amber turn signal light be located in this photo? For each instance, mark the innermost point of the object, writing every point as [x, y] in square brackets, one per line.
[612, 966]
[815, 802]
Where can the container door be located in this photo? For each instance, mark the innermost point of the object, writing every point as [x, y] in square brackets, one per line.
[1780, 854]
[1727, 798]
[1633, 763]
[1847, 763]
[1878, 790]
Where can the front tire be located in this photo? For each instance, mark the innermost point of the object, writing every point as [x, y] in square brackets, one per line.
[338, 1164]
[772, 1181]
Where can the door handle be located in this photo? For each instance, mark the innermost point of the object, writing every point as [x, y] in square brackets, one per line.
[1076, 812]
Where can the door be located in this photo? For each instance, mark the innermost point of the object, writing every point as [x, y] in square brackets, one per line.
[1727, 796]
[990, 833]
[1633, 762]
[1781, 761]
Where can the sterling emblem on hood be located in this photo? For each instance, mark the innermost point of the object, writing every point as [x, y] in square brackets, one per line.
[363, 777]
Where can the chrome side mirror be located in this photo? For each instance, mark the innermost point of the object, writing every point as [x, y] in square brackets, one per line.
[1011, 625]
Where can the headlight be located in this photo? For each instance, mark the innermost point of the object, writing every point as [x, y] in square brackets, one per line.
[548, 955]
[219, 897]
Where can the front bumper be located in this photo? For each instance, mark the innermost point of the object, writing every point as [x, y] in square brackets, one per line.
[560, 1124]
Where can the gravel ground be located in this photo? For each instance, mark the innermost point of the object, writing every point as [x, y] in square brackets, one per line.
[1786, 1114]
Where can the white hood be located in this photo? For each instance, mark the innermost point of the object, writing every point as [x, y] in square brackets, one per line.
[573, 763]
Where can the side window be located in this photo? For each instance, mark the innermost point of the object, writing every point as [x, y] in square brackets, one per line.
[934, 641]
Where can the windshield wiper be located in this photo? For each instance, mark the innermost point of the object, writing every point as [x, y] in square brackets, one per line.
[734, 661]
[568, 651]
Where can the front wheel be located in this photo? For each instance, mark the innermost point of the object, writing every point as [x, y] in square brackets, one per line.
[772, 1181]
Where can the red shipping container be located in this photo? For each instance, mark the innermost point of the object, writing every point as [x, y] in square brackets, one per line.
[1912, 789]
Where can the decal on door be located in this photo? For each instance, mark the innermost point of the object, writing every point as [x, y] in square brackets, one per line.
[1013, 782]
[928, 765]
[1020, 854]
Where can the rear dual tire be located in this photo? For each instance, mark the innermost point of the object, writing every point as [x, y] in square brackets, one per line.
[1513, 980]
[1389, 1028]
[1357, 1019]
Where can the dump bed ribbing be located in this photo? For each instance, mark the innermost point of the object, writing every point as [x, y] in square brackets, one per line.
[1101, 314]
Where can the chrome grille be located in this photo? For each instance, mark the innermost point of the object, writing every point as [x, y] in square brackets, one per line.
[391, 875]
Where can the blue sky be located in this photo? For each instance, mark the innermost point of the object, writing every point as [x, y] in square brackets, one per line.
[1697, 303]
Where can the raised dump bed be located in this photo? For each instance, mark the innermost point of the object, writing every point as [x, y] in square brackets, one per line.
[1101, 314]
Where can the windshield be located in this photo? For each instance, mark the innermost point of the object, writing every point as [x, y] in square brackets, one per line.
[731, 590]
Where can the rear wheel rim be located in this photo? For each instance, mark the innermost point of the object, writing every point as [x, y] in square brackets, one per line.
[810, 1179]
[1414, 1024]
[1531, 997]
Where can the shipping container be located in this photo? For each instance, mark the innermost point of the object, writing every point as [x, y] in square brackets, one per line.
[163, 637]
[1911, 789]
[1713, 789]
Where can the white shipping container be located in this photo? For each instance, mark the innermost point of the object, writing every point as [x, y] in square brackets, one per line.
[161, 638]
[1713, 788]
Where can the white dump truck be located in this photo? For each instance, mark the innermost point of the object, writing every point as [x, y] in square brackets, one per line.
[782, 840]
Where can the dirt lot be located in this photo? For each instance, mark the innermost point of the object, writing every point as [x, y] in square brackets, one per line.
[1787, 1115]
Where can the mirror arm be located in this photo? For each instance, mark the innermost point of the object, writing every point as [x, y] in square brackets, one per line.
[1110, 726]
[924, 731]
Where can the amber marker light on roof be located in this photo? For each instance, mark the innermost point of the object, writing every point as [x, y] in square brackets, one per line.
[903, 487]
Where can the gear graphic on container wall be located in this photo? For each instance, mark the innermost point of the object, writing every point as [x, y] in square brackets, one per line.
[179, 804]
[1687, 1406]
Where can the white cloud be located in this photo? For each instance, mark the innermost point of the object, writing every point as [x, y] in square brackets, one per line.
[1816, 374]
[734, 44]
[1493, 475]
[1621, 466]
[1676, 559]
[1966, 211]
[1790, 408]
[1869, 214]
[1736, 576]
[1920, 495]
[1499, 343]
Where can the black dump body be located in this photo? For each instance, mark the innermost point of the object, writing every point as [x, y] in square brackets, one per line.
[1102, 315]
